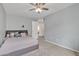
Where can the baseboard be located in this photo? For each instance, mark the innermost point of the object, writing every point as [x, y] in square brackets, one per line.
[41, 36]
[62, 46]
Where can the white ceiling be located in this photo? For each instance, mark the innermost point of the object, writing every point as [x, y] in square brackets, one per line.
[22, 9]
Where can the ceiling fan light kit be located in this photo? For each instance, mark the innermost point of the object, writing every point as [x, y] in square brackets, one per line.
[38, 10]
[38, 7]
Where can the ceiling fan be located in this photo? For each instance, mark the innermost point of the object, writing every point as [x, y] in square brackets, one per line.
[38, 7]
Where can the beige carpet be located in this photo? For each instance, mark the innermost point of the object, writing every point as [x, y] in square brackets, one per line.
[48, 49]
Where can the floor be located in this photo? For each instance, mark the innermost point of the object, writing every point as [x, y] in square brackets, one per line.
[48, 49]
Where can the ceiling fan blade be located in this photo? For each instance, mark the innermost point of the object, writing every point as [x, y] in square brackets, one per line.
[36, 4]
[42, 3]
[45, 9]
[31, 9]
[32, 3]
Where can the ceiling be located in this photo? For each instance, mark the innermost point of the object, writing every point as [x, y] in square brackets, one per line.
[22, 9]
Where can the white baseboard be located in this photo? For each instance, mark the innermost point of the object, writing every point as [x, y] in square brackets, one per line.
[41, 36]
[62, 46]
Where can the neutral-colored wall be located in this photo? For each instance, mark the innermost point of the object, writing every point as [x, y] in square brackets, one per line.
[16, 22]
[2, 23]
[62, 27]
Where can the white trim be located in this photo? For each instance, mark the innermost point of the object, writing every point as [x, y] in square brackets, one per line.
[62, 46]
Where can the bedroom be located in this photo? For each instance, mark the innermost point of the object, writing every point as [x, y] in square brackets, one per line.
[34, 31]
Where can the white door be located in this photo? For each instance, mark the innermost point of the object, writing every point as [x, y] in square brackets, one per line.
[34, 29]
[41, 29]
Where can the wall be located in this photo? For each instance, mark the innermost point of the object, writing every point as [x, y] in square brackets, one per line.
[2, 23]
[62, 27]
[16, 22]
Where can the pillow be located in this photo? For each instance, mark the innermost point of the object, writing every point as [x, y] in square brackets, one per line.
[12, 34]
[23, 34]
[17, 34]
[8, 35]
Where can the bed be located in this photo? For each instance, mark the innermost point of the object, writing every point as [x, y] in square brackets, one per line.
[16, 46]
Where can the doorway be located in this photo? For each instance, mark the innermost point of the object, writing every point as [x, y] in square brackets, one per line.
[37, 29]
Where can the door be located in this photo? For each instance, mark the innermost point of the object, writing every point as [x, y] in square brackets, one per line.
[41, 29]
[34, 29]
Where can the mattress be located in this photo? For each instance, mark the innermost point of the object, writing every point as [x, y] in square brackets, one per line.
[17, 46]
